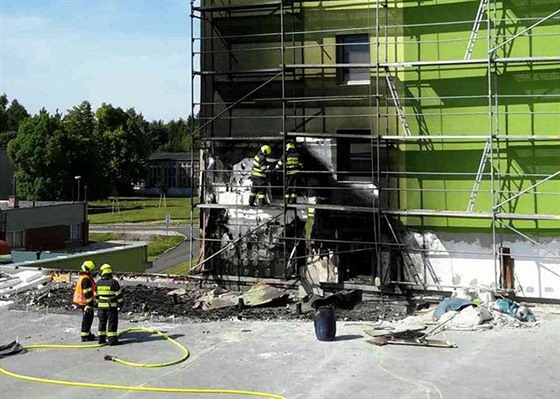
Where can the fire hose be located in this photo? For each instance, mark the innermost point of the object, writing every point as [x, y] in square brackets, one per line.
[184, 357]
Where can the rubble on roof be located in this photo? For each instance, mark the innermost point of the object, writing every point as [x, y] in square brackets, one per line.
[23, 281]
[217, 298]
[262, 294]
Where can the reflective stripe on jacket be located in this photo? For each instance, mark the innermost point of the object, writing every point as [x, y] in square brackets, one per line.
[85, 290]
[292, 163]
[260, 165]
[108, 293]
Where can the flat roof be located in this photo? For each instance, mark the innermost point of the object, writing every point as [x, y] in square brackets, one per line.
[282, 358]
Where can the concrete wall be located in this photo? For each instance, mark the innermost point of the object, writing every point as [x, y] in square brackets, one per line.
[6, 175]
[128, 258]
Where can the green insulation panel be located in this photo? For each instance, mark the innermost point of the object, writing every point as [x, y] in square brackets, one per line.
[486, 97]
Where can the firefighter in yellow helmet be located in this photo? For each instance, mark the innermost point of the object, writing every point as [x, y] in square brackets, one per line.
[259, 176]
[293, 166]
[84, 298]
[109, 301]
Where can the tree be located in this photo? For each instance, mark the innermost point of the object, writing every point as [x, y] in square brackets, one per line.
[3, 109]
[126, 145]
[10, 118]
[179, 135]
[14, 115]
[159, 134]
[37, 157]
[84, 151]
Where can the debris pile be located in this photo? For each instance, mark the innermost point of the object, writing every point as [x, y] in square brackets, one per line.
[457, 314]
[187, 300]
[11, 285]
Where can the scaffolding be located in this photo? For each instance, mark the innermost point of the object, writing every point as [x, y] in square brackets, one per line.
[384, 102]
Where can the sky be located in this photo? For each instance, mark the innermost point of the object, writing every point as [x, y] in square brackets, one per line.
[130, 53]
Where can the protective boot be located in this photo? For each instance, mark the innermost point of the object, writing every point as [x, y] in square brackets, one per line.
[88, 338]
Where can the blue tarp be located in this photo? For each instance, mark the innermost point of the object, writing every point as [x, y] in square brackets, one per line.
[448, 304]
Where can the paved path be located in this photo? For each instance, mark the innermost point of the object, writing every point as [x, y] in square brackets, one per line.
[139, 229]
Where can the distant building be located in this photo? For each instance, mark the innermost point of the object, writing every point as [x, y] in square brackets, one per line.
[45, 226]
[170, 173]
[6, 175]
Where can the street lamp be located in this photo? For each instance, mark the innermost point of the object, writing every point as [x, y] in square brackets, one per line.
[78, 178]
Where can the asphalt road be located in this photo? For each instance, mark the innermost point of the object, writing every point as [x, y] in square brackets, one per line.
[128, 228]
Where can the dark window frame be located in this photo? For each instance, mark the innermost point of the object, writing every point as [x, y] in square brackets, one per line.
[353, 76]
[354, 167]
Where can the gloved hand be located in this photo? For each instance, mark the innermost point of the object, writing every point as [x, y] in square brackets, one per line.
[88, 309]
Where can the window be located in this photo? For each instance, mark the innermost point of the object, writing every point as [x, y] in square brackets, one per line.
[16, 239]
[353, 49]
[75, 232]
[353, 157]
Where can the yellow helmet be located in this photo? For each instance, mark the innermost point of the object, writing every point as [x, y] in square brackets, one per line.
[106, 269]
[266, 150]
[290, 146]
[88, 266]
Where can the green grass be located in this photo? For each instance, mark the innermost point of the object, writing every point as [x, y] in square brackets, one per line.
[156, 246]
[163, 243]
[182, 269]
[134, 210]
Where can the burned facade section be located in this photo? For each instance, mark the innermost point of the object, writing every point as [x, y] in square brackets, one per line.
[319, 235]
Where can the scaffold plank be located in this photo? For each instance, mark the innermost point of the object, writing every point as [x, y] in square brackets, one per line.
[265, 5]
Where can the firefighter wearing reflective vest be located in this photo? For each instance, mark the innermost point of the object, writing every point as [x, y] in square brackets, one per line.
[291, 157]
[109, 301]
[259, 176]
[84, 297]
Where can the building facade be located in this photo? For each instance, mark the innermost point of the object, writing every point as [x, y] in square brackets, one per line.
[172, 173]
[44, 226]
[427, 132]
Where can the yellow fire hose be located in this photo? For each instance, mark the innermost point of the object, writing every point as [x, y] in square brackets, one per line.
[132, 364]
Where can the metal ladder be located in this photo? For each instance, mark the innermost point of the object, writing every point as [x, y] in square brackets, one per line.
[292, 260]
[479, 174]
[475, 29]
[409, 267]
[397, 101]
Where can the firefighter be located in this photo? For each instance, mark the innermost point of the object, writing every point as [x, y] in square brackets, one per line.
[259, 176]
[84, 297]
[109, 301]
[293, 166]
